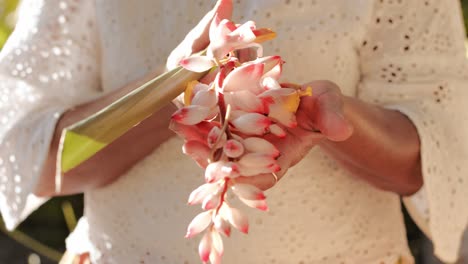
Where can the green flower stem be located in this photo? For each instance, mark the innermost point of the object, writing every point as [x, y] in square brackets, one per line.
[31, 243]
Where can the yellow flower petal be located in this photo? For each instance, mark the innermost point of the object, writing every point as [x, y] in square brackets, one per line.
[264, 34]
[188, 95]
[291, 102]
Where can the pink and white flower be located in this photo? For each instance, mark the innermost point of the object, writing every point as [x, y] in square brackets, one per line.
[247, 102]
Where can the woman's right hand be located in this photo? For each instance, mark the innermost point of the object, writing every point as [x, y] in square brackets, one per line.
[198, 38]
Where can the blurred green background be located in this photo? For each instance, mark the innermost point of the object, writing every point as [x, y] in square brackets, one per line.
[40, 239]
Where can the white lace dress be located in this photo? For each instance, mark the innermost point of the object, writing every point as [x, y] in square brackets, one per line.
[402, 54]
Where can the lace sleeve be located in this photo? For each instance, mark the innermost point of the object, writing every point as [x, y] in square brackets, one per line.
[413, 61]
[48, 65]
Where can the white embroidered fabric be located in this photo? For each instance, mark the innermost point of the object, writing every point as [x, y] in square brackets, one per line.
[401, 54]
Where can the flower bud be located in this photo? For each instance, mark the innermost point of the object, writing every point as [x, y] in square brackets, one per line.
[233, 148]
[252, 124]
[198, 195]
[221, 169]
[258, 204]
[204, 248]
[199, 223]
[197, 63]
[238, 220]
[191, 115]
[206, 98]
[260, 145]
[247, 191]
[213, 137]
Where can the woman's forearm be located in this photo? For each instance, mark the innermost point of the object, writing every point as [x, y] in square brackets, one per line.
[383, 149]
[115, 159]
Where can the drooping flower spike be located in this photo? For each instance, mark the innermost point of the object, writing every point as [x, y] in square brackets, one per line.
[243, 102]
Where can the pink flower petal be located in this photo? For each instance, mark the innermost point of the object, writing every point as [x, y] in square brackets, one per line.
[270, 62]
[237, 113]
[238, 220]
[226, 37]
[244, 100]
[274, 167]
[217, 242]
[277, 131]
[233, 148]
[246, 77]
[191, 115]
[260, 145]
[220, 45]
[273, 67]
[204, 248]
[215, 257]
[269, 83]
[198, 195]
[256, 160]
[278, 93]
[253, 171]
[220, 29]
[286, 102]
[213, 136]
[248, 192]
[198, 63]
[252, 124]
[275, 72]
[222, 226]
[199, 223]
[280, 115]
[258, 204]
[219, 170]
[205, 98]
[244, 32]
[211, 201]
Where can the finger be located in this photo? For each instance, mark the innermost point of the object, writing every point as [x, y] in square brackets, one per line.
[261, 181]
[198, 38]
[330, 118]
[323, 111]
[266, 181]
[197, 151]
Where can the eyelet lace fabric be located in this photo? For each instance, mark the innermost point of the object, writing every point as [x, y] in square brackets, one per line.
[401, 54]
[45, 68]
[424, 74]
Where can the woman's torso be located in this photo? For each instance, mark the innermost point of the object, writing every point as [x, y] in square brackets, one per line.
[318, 213]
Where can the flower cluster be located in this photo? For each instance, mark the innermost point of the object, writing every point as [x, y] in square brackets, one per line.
[244, 101]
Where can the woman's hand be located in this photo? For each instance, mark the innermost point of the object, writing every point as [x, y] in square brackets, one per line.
[320, 118]
[378, 145]
[198, 38]
[321, 112]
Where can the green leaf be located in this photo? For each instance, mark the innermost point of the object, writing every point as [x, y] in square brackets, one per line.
[84, 139]
[76, 146]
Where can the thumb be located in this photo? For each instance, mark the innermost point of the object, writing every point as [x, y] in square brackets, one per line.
[329, 117]
[198, 38]
[324, 111]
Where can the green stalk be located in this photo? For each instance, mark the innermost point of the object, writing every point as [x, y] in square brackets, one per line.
[32, 244]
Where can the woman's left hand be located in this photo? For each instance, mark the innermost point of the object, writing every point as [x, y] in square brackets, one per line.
[378, 145]
[323, 111]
